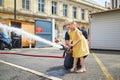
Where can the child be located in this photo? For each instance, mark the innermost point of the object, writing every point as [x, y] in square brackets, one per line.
[80, 46]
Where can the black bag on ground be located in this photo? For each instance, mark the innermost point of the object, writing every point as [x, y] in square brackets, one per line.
[68, 61]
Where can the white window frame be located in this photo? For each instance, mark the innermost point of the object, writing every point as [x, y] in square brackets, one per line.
[74, 12]
[41, 5]
[1, 2]
[65, 10]
[26, 4]
[83, 14]
[54, 7]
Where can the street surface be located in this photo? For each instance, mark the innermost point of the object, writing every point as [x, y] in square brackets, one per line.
[101, 65]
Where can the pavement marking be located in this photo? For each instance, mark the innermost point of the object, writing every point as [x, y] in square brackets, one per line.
[103, 68]
[31, 71]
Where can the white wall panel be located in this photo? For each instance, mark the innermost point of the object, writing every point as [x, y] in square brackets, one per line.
[105, 31]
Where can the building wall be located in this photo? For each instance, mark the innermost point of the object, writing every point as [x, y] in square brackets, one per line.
[6, 11]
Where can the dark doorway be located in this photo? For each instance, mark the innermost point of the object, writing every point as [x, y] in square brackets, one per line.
[16, 39]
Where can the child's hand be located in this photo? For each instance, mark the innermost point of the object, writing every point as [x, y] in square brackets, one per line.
[71, 45]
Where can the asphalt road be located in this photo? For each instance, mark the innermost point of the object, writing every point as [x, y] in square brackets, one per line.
[101, 65]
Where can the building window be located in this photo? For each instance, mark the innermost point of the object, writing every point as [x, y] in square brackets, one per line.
[25, 4]
[41, 5]
[116, 4]
[74, 12]
[0, 2]
[54, 7]
[83, 14]
[112, 3]
[65, 10]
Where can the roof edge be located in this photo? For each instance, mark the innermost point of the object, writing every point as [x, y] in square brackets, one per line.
[110, 10]
[90, 4]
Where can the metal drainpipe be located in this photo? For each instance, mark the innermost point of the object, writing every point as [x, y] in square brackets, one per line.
[15, 9]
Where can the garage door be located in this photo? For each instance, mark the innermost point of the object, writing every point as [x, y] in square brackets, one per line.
[105, 31]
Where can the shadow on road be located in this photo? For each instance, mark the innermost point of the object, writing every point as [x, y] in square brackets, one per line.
[57, 71]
